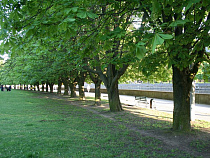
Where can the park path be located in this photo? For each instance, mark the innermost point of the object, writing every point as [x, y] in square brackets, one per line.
[202, 111]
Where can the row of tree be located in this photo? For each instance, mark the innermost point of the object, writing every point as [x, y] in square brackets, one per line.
[62, 41]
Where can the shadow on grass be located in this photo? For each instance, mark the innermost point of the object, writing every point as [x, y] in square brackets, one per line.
[136, 121]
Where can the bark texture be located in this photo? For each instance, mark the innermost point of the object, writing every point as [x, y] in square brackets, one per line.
[81, 80]
[182, 84]
[47, 84]
[114, 99]
[59, 86]
[42, 86]
[51, 87]
[72, 86]
[97, 81]
[66, 85]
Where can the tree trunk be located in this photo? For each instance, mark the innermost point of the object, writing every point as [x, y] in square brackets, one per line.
[51, 87]
[47, 83]
[81, 91]
[98, 92]
[72, 86]
[182, 84]
[66, 86]
[112, 87]
[110, 79]
[97, 81]
[114, 99]
[59, 86]
[82, 77]
[42, 86]
[38, 86]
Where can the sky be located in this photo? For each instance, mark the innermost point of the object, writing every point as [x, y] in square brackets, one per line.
[5, 56]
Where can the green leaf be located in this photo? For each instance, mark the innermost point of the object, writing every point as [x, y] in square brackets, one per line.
[74, 9]
[68, 19]
[157, 40]
[178, 22]
[36, 23]
[140, 51]
[165, 36]
[12, 42]
[170, 64]
[6, 45]
[104, 37]
[13, 54]
[92, 15]
[63, 26]
[82, 14]
[190, 2]
[141, 43]
[156, 9]
[1, 53]
[67, 10]
[29, 33]
[44, 22]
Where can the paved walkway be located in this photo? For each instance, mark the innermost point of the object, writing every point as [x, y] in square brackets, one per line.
[202, 111]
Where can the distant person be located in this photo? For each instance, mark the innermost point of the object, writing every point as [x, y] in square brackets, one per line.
[2, 88]
[9, 88]
[88, 88]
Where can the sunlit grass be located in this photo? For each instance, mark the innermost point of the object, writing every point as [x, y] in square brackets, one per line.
[38, 125]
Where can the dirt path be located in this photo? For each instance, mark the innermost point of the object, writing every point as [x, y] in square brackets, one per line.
[169, 141]
[196, 143]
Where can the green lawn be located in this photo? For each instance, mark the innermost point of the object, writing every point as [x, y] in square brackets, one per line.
[39, 126]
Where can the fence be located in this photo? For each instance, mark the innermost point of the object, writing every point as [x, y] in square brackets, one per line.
[203, 88]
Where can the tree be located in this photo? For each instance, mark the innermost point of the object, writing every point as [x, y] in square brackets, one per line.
[111, 50]
[97, 81]
[188, 22]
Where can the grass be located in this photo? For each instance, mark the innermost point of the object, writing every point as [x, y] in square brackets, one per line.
[200, 145]
[37, 125]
